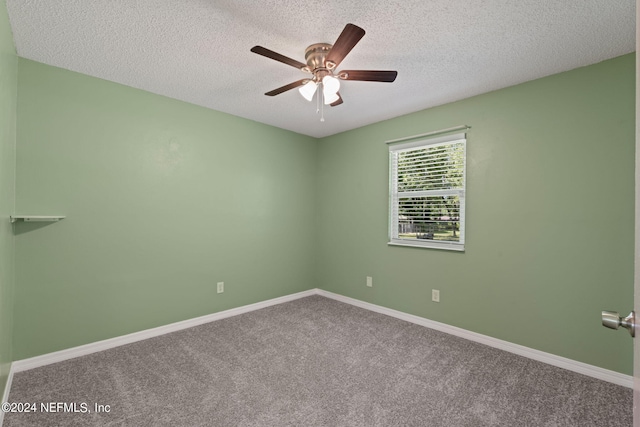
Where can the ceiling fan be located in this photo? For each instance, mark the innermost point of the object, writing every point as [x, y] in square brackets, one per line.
[322, 60]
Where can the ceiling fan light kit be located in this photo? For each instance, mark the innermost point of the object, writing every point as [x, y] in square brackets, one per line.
[322, 59]
[330, 87]
[308, 90]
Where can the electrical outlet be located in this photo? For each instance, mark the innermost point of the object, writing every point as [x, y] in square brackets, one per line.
[435, 295]
[369, 282]
[220, 287]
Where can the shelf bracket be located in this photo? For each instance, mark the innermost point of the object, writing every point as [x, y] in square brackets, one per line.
[36, 218]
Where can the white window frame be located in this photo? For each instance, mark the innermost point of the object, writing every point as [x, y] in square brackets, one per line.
[394, 196]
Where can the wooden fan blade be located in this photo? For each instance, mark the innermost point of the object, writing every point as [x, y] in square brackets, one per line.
[349, 37]
[368, 75]
[287, 87]
[275, 55]
[338, 102]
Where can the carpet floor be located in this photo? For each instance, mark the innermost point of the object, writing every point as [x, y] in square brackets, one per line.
[313, 362]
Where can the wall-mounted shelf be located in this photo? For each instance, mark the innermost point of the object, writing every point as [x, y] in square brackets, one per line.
[36, 218]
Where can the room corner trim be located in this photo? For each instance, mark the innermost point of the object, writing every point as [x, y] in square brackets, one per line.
[83, 350]
[540, 356]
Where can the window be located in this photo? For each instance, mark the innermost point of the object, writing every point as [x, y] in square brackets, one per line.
[427, 192]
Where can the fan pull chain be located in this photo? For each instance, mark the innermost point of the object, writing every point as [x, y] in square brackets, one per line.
[318, 99]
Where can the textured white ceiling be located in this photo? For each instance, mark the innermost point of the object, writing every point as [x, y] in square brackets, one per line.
[198, 50]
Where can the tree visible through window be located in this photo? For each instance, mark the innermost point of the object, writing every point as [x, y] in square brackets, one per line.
[427, 192]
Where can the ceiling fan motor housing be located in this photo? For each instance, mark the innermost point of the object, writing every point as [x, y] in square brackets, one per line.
[315, 55]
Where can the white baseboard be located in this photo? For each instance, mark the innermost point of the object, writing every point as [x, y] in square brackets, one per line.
[5, 393]
[540, 356]
[83, 350]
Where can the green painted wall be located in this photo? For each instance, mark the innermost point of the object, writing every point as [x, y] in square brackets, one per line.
[550, 198]
[163, 199]
[8, 86]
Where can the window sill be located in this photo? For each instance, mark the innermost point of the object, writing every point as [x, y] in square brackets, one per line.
[428, 245]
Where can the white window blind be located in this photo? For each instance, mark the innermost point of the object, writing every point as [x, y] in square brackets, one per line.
[427, 192]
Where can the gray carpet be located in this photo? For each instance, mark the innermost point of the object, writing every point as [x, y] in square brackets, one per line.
[315, 362]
